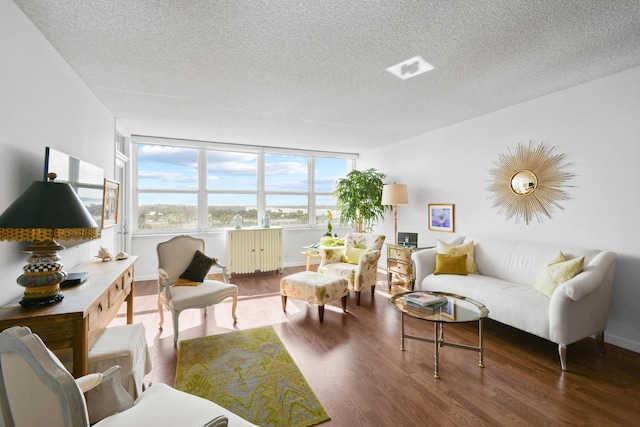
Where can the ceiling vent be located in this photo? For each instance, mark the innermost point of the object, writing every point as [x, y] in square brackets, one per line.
[410, 68]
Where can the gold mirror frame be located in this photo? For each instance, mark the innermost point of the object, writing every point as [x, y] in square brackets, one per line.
[529, 182]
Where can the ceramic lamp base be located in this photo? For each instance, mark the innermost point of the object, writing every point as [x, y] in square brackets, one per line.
[42, 275]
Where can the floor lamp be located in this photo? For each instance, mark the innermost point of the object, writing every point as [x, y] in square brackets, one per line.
[394, 195]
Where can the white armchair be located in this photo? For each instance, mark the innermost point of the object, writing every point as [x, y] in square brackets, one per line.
[37, 390]
[175, 257]
[357, 261]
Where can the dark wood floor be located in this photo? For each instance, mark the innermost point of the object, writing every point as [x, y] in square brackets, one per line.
[354, 364]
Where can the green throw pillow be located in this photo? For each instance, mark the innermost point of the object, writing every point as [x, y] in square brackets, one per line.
[352, 255]
[451, 264]
[465, 249]
[199, 267]
[558, 271]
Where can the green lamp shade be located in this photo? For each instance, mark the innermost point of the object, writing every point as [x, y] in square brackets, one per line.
[47, 211]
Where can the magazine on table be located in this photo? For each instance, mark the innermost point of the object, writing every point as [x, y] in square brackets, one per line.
[431, 307]
[425, 299]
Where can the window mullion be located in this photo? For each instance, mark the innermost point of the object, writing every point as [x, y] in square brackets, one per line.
[203, 205]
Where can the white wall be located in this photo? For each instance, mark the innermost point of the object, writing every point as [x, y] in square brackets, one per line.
[43, 103]
[596, 125]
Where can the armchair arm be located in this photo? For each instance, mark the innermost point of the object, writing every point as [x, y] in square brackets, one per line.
[164, 283]
[330, 255]
[225, 277]
[110, 379]
[220, 421]
[369, 258]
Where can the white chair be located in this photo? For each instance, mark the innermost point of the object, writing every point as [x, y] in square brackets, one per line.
[357, 261]
[37, 390]
[174, 257]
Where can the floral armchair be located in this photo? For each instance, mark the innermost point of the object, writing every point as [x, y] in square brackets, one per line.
[357, 261]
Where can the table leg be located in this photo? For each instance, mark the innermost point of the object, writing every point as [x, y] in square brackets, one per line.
[402, 331]
[436, 343]
[481, 364]
[308, 256]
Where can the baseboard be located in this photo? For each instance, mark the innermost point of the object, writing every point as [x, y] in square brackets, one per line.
[621, 342]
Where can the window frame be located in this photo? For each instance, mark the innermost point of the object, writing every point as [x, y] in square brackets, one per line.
[203, 192]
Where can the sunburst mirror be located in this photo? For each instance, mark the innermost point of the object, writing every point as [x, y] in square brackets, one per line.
[528, 183]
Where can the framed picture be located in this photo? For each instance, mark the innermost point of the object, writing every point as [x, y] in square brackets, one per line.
[110, 199]
[441, 217]
[449, 309]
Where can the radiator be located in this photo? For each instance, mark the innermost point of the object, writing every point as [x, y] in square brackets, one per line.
[253, 249]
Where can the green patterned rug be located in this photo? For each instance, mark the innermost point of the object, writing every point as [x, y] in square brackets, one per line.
[251, 374]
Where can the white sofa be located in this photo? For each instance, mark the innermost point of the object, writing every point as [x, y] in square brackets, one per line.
[507, 270]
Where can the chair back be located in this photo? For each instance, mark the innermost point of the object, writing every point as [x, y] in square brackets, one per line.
[35, 388]
[365, 240]
[175, 255]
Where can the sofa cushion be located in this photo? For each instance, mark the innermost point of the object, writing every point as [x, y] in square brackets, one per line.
[510, 303]
[558, 271]
[451, 264]
[464, 249]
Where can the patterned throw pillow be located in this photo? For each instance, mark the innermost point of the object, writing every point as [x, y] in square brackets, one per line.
[199, 267]
[558, 271]
[451, 264]
[352, 255]
[465, 249]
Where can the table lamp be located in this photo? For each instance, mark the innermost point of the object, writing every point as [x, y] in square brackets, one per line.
[394, 195]
[44, 212]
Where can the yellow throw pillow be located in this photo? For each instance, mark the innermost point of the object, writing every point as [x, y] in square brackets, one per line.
[558, 271]
[352, 255]
[186, 282]
[465, 249]
[451, 264]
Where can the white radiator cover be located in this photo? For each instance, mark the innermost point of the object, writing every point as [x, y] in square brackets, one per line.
[253, 249]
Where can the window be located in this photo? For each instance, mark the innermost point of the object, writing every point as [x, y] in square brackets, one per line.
[167, 187]
[327, 171]
[232, 188]
[286, 180]
[203, 186]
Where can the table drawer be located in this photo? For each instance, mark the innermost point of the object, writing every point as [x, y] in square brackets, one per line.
[98, 310]
[117, 292]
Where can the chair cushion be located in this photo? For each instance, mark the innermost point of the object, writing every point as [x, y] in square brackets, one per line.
[208, 293]
[199, 267]
[162, 405]
[451, 264]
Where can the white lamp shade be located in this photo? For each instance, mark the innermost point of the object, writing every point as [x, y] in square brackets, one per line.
[395, 194]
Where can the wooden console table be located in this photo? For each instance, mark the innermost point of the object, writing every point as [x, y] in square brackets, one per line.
[86, 310]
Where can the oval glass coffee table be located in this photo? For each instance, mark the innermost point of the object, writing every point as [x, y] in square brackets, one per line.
[458, 309]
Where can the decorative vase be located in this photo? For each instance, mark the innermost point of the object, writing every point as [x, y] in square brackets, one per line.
[237, 221]
[266, 221]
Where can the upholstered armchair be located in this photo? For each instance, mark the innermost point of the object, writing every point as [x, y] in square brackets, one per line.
[183, 283]
[37, 390]
[357, 261]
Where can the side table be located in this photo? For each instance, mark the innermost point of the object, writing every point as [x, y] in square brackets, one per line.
[399, 265]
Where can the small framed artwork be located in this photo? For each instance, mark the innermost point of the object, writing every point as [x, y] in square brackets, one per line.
[441, 217]
[110, 203]
[449, 309]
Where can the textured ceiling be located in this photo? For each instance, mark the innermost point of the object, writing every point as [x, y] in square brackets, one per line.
[312, 74]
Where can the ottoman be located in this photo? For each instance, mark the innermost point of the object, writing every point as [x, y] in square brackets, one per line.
[314, 288]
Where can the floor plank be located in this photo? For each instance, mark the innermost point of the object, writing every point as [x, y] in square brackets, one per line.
[354, 364]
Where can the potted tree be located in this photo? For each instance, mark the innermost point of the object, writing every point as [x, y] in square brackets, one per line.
[359, 197]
